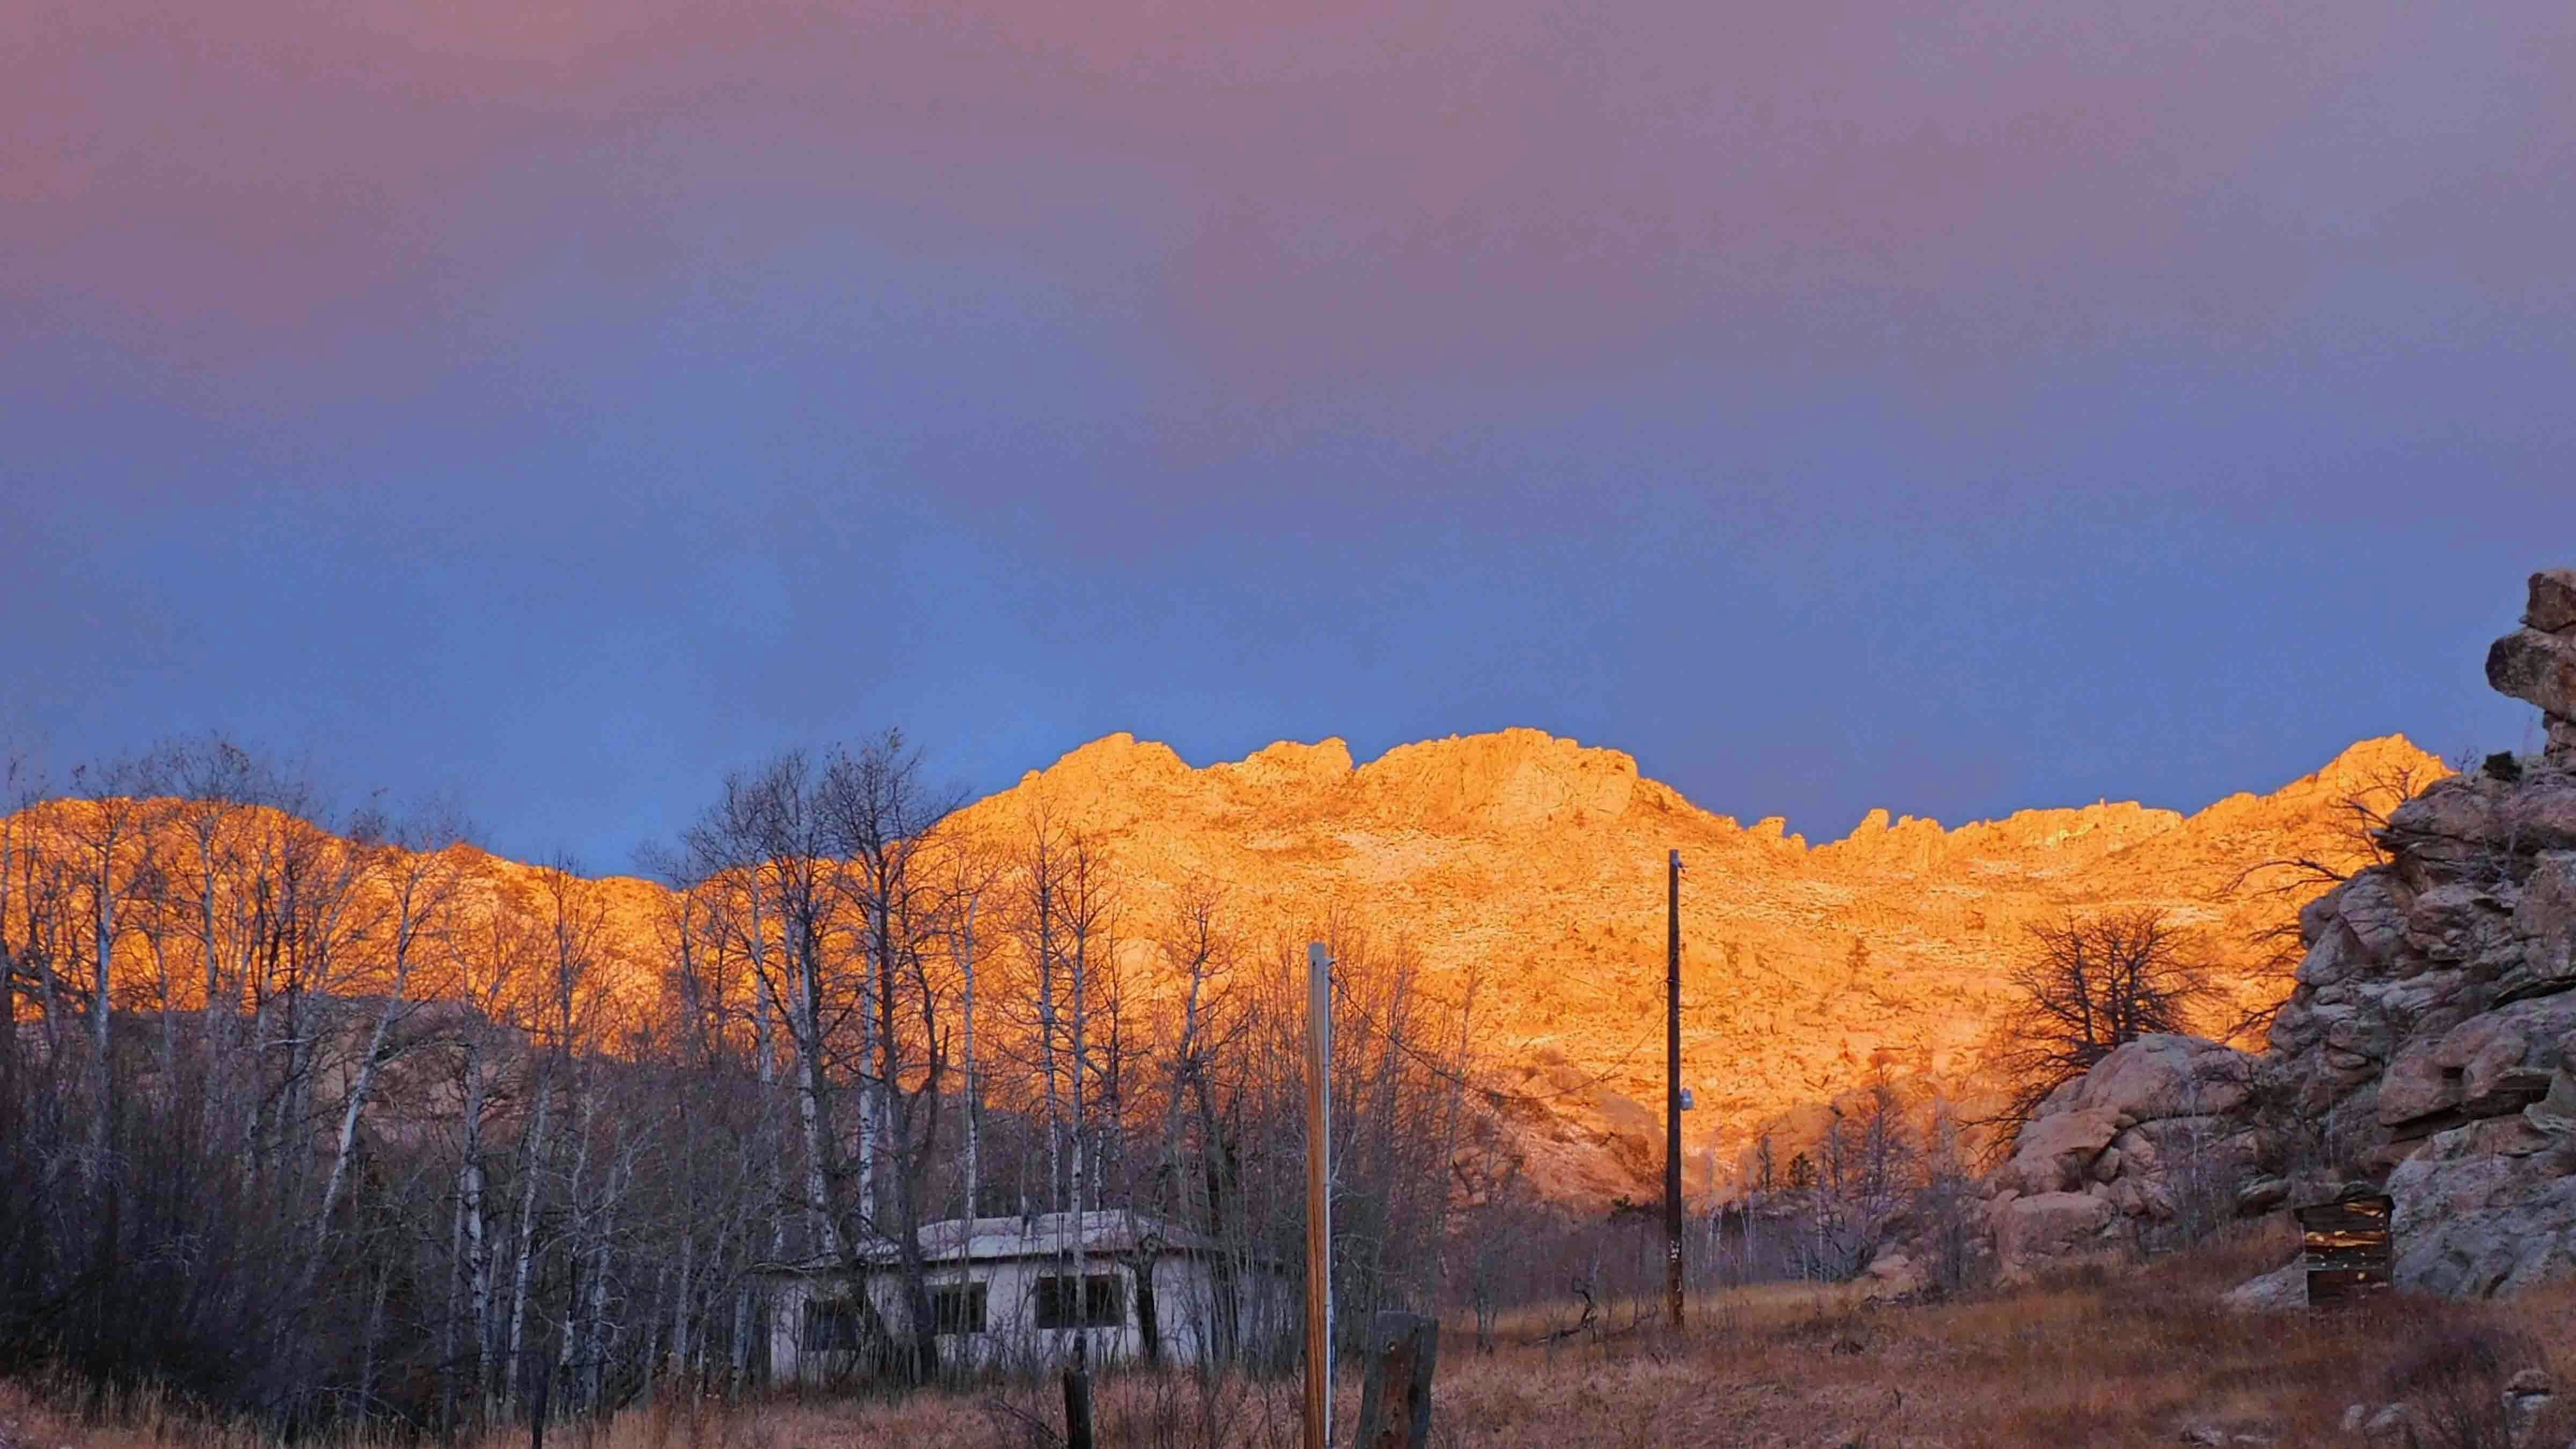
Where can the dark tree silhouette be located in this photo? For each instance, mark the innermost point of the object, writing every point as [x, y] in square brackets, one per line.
[2087, 985]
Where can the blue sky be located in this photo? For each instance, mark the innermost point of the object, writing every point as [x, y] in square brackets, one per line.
[1949, 408]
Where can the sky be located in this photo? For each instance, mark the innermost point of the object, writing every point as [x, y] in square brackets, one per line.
[547, 406]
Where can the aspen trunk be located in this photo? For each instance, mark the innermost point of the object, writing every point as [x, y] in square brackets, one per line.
[472, 1218]
[102, 1104]
[810, 1109]
[527, 1238]
[350, 1111]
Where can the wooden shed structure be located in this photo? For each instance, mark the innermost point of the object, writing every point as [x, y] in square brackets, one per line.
[2345, 1246]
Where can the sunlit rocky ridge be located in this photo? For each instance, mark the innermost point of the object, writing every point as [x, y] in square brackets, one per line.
[1533, 866]
[1537, 864]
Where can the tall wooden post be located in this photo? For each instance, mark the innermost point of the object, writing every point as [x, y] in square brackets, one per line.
[974, 1103]
[1673, 1087]
[1319, 1197]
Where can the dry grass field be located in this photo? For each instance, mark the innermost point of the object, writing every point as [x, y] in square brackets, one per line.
[2131, 1358]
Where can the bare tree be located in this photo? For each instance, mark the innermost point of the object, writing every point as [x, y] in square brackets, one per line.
[493, 961]
[110, 827]
[1040, 871]
[413, 879]
[463, 1150]
[2349, 841]
[19, 959]
[883, 821]
[971, 879]
[2087, 985]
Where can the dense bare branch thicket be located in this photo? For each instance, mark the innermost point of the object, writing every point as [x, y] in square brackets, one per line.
[359, 1123]
[2086, 985]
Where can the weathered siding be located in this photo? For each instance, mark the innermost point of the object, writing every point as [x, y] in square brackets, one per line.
[1184, 1291]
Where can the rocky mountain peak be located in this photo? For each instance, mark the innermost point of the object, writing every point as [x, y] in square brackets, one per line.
[1536, 862]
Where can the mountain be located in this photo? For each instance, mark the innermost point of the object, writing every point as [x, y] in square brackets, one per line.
[1533, 867]
[1537, 865]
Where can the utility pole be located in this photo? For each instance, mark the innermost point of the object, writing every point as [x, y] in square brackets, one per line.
[974, 1104]
[1319, 1197]
[1673, 1087]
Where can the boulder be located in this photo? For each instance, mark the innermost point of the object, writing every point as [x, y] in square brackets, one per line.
[2560, 1100]
[2224, 1145]
[2294, 1029]
[2537, 668]
[2552, 606]
[2372, 905]
[2539, 815]
[2261, 1195]
[2283, 1289]
[2055, 1152]
[2544, 921]
[2317, 919]
[2487, 1052]
[2033, 1231]
[2473, 1223]
[2415, 1087]
[1894, 1273]
[2458, 922]
[2061, 1100]
[2161, 1075]
[2161, 1131]
[2330, 959]
[2493, 1063]
[2450, 822]
[2356, 1032]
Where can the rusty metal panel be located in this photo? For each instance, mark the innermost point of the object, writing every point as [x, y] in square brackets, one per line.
[2347, 1249]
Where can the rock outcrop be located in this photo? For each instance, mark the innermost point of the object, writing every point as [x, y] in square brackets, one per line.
[2157, 1141]
[2537, 663]
[2431, 1039]
[1808, 970]
[2428, 1044]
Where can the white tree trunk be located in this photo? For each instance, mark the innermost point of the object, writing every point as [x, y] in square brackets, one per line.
[527, 1237]
[359, 1091]
[810, 1112]
[470, 1207]
[102, 1106]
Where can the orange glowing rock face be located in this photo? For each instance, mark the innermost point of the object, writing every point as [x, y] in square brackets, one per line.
[1540, 863]
[1535, 866]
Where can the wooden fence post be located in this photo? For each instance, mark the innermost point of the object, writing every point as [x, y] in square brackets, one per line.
[1395, 1398]
[1077, 1408]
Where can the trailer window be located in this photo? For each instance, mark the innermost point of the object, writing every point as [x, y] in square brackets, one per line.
[957, 1308]
[831, 1326]
[1097, 1300]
